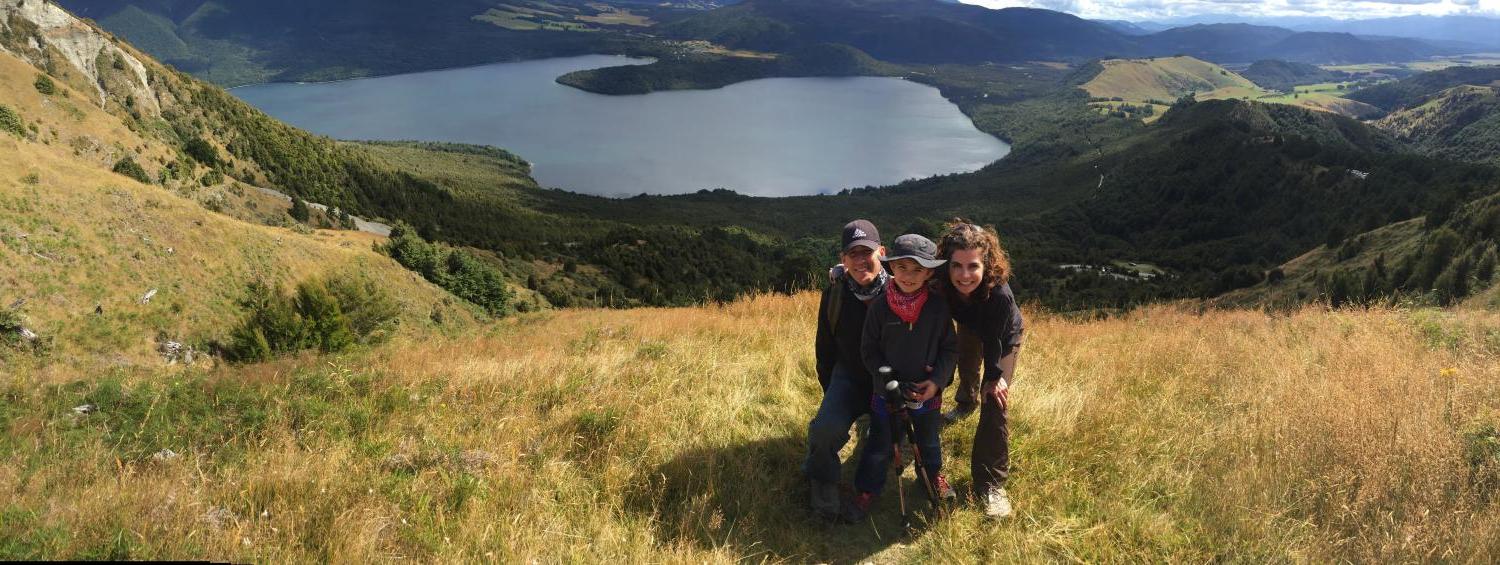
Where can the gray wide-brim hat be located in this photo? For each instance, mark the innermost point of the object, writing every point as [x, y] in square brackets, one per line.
[914, 247]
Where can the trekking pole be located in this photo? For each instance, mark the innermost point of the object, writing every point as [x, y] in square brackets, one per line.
[904, 426]
[892, 401]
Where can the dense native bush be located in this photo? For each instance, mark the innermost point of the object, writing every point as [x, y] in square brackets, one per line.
[10, 121]
[45, 85]
[329, 316]
[453, 269]
[128, 167]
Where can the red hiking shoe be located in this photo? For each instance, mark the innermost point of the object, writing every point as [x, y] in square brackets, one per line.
[944, 491]
[859, 507]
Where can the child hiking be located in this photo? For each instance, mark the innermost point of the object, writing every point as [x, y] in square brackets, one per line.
[910, 330]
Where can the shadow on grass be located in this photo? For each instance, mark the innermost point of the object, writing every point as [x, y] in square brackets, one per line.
[751, 499]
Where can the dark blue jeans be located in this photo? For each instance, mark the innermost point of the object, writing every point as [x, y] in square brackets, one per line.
[843, 403]
[876, 459]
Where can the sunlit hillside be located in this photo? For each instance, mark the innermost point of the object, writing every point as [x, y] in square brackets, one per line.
[1133, 84]
[105, 270]
[675, 435]
[1161, 80]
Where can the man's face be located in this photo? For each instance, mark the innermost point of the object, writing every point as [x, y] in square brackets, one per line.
[909, 275]
[862, 264]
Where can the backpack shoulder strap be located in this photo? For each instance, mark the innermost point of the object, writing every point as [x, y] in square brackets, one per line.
[835, 304]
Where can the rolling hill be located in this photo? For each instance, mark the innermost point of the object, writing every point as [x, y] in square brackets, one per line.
[1160, 81]
[1143, 88]
[1451, 112]
[1283, 75]
[1461, 123]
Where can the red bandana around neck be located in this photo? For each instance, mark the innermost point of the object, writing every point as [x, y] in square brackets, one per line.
[906, 306]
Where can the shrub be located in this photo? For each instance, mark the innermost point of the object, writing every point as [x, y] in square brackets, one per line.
[329, 316]
[370, 310]
[11, 122]
[45, 85]
[455, 270]
[326, 326]
[201, 151]
[130, 168]
[299, 210]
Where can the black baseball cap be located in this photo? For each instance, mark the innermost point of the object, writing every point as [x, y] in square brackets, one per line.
[862, 233]
[916, 247]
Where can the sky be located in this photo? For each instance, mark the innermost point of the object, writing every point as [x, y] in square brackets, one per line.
[1157, 9]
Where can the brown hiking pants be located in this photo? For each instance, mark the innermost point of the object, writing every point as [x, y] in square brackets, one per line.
[990, 463]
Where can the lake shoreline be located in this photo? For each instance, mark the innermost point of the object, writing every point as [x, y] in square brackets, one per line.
[771, 137]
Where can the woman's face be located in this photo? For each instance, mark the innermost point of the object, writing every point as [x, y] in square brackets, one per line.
[965, 270]
[909, 274]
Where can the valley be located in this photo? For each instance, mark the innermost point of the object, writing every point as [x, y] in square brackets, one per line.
[1259, 318]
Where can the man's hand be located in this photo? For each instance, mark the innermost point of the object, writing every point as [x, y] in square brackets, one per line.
[925, 391]
[997, 391]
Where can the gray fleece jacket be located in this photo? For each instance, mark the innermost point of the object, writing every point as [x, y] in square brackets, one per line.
[910, 348]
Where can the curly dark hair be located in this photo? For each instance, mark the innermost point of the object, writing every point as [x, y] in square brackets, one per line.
[962, 234]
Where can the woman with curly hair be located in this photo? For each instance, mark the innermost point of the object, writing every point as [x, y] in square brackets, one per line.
[989, 334]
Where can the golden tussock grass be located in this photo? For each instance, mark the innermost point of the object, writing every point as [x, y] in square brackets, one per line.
[675, 435]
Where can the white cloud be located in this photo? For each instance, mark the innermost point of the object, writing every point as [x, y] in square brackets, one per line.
[1148, 9]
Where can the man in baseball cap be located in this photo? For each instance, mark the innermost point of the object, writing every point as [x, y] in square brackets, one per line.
[845, 381]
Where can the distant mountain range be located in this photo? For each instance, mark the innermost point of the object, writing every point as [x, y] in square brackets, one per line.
[235, 42]
[1476, 30]
[243, 41]
[933, 31]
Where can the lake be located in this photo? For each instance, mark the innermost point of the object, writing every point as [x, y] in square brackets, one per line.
[769, 137]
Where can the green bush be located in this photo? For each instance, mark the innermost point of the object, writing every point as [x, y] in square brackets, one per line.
[370, 310]
[326, 326]
[130, 168]
[45, 85]
[455, 270]
[329, 316]
[299, 210]
[201, 151]
[11, 122]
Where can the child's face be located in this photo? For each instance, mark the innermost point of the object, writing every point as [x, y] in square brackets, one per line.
[909, 274]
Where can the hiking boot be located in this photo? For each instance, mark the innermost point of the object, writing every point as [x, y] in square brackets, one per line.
[824, 498]
[958, 413]
[858, 508]
[944, 491]
[997, 503]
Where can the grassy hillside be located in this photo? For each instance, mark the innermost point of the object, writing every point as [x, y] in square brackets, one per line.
[1272, 74]
[1168, 78]
[674, 436]
[81, 246]
[1131, 85]
[1460, 123]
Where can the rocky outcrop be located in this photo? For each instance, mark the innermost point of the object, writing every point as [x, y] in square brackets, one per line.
[39, 32]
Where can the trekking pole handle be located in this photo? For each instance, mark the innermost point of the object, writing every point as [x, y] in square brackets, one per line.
[894, 390]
